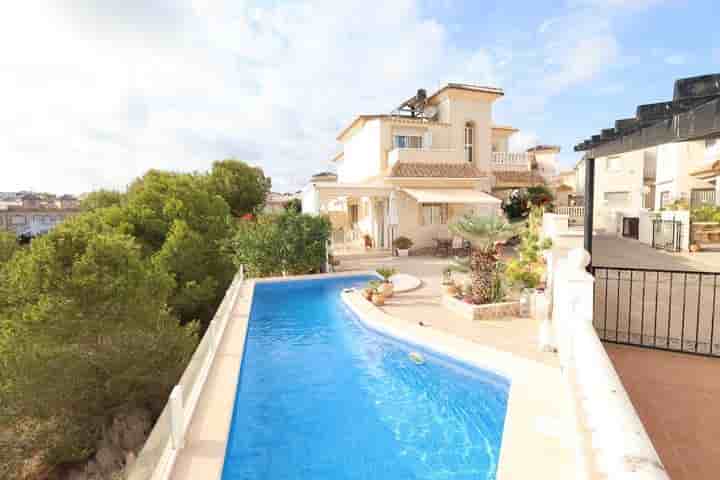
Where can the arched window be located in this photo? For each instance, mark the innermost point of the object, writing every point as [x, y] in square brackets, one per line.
[469, 141]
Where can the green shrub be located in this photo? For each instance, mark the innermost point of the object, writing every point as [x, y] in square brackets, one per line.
[403, 243]
[705, 213]
[386, 273]
[278, 244]
[527, 269]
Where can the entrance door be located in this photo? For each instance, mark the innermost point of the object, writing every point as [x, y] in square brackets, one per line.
[380, 211]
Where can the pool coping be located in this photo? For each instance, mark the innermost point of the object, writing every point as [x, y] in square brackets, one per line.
[522, 451]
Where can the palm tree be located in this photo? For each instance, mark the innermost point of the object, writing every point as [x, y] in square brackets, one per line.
[484, 234]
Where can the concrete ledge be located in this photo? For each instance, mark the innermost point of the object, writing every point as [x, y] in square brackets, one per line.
[490, 311]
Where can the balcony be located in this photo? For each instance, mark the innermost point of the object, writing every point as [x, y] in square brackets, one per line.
[424, 155]
[511, 162]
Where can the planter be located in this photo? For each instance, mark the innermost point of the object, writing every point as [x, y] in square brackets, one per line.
[450, 289]
[367, 294]
[378, 299]
[490, 311]
[387, 289]
[403, 252]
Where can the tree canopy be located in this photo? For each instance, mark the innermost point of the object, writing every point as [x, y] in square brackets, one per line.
[101, 199]
[243, 187]
[101, 315]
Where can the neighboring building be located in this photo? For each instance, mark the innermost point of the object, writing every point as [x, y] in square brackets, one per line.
[563, 188]
[516, 171]
[275, 202]
[413, 171]
[34, 214]
[662, 155]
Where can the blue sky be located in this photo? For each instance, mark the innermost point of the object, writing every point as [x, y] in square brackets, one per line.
[94, 93]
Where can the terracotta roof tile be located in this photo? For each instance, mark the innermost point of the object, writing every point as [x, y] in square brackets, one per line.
[435, 170]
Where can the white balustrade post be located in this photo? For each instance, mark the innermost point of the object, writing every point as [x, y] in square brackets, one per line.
[573, 302]
[242, 273]
[177, 418]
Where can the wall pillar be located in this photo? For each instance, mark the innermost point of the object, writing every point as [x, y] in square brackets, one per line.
[589, 203]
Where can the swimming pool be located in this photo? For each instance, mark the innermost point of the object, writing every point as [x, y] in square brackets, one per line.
[322, 397]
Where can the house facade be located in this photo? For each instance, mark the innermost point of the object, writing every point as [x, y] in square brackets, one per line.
[413, 171]
[657, 166]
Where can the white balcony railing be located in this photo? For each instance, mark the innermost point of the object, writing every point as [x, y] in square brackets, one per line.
[424, 155]
[511, 162]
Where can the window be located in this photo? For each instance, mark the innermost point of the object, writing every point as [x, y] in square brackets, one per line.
[469, 141]
[408, 141]
[617, 199]
[613, 164]
[354, 214]
[18, 220]
[664, 199]
[434, 213]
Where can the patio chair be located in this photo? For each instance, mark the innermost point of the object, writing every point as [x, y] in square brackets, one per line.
[443, 246]
[460, 246]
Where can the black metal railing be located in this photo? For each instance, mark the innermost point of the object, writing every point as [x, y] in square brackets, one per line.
[663, 309]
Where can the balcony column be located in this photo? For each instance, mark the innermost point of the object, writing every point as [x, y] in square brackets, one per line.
[589, 203]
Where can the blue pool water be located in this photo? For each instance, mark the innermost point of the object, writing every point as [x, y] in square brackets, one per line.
[322, 397]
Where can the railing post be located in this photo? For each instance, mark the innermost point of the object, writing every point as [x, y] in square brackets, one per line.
[177, 418]
[573, 289]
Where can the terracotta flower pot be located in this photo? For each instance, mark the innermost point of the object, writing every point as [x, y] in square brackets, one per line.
[378, 299]
[367, 294]
[387, 289]
[450, 289]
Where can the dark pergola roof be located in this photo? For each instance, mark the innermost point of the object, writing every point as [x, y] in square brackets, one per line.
[694, 112]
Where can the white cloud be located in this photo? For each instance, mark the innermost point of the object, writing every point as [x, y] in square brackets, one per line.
[99, 93]
[96, 94]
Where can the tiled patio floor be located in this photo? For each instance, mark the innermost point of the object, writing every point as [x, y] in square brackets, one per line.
[676, 396]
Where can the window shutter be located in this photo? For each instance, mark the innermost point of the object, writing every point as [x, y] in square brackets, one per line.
[443, 213]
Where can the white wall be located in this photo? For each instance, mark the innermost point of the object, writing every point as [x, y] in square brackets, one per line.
[547, 163]
[675, 161]
[628, 177]
[362, 154]
[609, 430]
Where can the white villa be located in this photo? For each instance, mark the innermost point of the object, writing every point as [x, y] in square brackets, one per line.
[411, 172]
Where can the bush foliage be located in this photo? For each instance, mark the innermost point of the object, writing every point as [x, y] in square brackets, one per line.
[276, 244]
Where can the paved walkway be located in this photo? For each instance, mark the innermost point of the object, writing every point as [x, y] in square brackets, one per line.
[676, 396]
[611, 251]
[539, 428]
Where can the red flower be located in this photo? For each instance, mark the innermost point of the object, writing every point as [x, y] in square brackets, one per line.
[248, 217]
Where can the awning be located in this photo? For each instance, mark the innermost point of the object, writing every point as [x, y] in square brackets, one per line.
[452, 195]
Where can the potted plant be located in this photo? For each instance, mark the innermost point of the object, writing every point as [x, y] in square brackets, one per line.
[386, 287]
[448, 284]
[403, 246]
[367, 292]
[377, 296]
